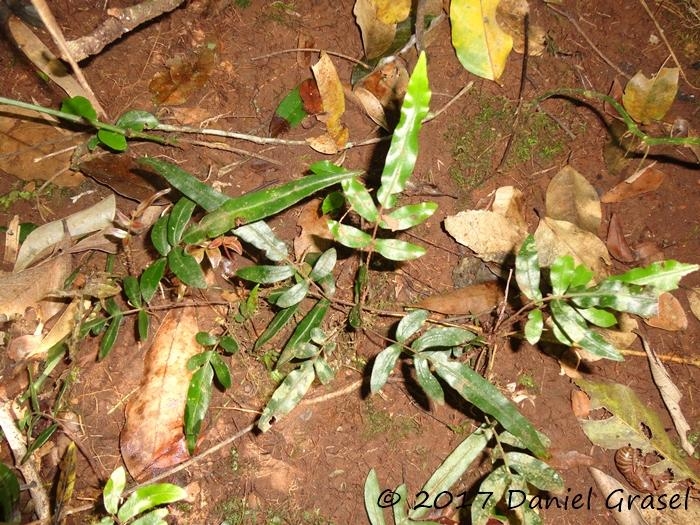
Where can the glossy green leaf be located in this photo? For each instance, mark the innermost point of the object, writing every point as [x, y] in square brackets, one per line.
[598, 317]
[110, 335]
[9, 494]
[265, 274]
[302, 333]
[229, 344]
[293, 295]
[79, 106]
[397, 250]
[383, 365]
[561, 274]
[206, 339]
[359, 199]
[427, 381]
[349, 235]
[403, 151]
[155, 517]
[333, 202]
[223, 374]
[145, 498]
[186, 268]
[112, 492]
[260, 235]
[187, 184]
[179, 217]
[279, 321]
[150, 278]
[534, 326]
[663, 275]
[597, 345]
[527, 270]
[442, 336]
[159, 236]
[617, 295]
[137, 120]
[491, 491]
[454, 466]
[582, 276]
[324, 372]
[257, 205]
[372, 496]
[143, 324]
[112, 140]
[291, 109]
[487, 398]
[535, 471]
[569, 320]
[324, 265]
[198, 397]
[306, 351]
[399, 510]
[288, 395]
[199, 360]
[132, 290]
[410, 324]
[408, 216]
[39, 441]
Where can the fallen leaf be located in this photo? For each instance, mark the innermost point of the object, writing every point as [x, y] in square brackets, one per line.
[643, 181]
[12, 234]
[671, 315]
[377, 36]
[311, 97]
[556, 238]
[371, 106]
[185, 75]
[616, 242]
[508, 201]
[314, 235]
[580, 404]
[153, 436]
[392, 11]
[490, 235]
[475, 299]
[649, 99]
[482, 46]
[648, 252]
[323, 144]
[305, 41]
[694, 301]
[124, 176]
[333, 96]
[289, 113]
[606, 484]
[570, 197]
[511, 17]
[388, 84]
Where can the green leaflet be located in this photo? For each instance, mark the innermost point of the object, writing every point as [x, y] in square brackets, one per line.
[408, 216]
[278, 322]
[178, 219]
[402, 154]
[372, 496]
[383, 365]
[112, 492]
[359, 199]
[535, 471]
[9, 493]
[303, 331]
[288, 394]
[186, 268]
[198, 397]
[527, 269]
[150, 496]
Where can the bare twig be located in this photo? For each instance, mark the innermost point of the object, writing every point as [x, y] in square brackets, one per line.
[119, 22]
[449, 103]
[225, 147]
[312, 50]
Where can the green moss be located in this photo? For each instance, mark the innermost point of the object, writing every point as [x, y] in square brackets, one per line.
[381, 422]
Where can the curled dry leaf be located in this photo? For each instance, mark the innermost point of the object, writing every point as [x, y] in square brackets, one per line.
[508, 201]
[580, 404]
[511, 17]
[388, 84]
[616, 242]
[694, 301]
[370, 104]
[671, 315]
[153, 437]
[643, 181]
[475, 299]
[333, 97]
[570, 197]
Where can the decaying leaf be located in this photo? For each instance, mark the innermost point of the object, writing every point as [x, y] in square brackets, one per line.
[333, 97]
[387, 83]
[28, 148]
[377, 36]
[508, 201]
[153, 437]
[481, 45]
[392, 11]
[643, 181]
[694, 301]
[311, 97]
[580, 404]
[616, 242]
[305, 41]
[124, 176]
[556, 238]
[475, 299]
[185, 75]
[627, 515]
[371, 106]
[511, 17]
[314, 235]
[649, 99]
[490, 235]
[671, 315]
[570, 197]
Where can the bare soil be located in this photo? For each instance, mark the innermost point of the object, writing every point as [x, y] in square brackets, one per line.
[311, 467]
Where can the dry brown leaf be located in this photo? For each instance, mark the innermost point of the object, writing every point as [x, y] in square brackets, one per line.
[27, 288]
[388, 83]
[124, 176]
[9, 256]
[556, 238]
[323, 144]
[370, 104]
[570, 197]
[648, 252]
[153, 437]
[643, 181]
[377, 36]
[475, 299]
[508, 201]
[392, 11]
[333, 97]
[305, 41]
[511, 18]
[616, 242]
[311, 97]
[694, 301]
[580, 404]
[490, 235]
[671, 315]
[314, 235]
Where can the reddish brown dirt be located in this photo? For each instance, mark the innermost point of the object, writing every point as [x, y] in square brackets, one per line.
[311, 467]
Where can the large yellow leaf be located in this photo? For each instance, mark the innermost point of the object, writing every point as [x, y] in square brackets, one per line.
[648, 99]
[377, 36]
[392, 11]
[331, 90]
[481, 45]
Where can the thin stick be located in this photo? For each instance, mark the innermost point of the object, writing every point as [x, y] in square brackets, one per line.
[55, 31]
[449, 103]
[225, 147]
[590, 42]
[313, 50]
